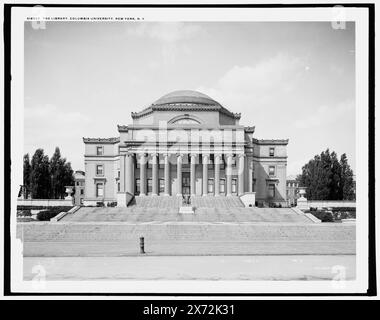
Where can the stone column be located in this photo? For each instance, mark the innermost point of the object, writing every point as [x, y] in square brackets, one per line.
[205, 173]
[179, 175]
[192, 174]
[122, 173]
[154, 174]
[250, 174]
[217, 158]
[142, 174]
[167, 174]
[241, 175]
[229, 174]
[129, 174]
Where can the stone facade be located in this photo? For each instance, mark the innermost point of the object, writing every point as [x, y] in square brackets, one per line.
[292, 188]
[79, 182]
[185, 143]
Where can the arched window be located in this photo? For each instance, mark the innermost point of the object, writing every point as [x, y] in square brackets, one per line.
[185, 119]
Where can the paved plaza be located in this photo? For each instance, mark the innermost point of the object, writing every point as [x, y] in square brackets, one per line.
[287, 268]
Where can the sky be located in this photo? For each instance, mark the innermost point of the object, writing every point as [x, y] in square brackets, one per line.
[291, 80]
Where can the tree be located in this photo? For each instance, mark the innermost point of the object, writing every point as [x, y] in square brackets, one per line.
[327, 178]
[27, 173]
[47, 178]
[61, 175]
[39, 177]
[347, 179]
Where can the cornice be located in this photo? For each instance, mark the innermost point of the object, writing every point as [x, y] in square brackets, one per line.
[184, 107]
[270, 141]
[102, 140]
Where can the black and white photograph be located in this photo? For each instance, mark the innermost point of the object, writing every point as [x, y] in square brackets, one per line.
[189, 150]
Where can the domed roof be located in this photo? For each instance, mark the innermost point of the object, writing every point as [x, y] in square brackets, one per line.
[186, 96]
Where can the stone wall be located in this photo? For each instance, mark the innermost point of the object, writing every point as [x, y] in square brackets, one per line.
[44, 202]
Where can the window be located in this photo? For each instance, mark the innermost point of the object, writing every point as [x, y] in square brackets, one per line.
[211, 162]
[149, 186]
[271, 191]
[137, 186]
[233, 162]
[253, 183]
[271, 152]
[210, 186]
[222, 185]
[271, 171]
[77, 183]
[118, 187]
[99, 190]
[81, 200]
[234, 186]
[99, 170]
[99, 151]
[81, 191]
[162, 186]
[118, 174]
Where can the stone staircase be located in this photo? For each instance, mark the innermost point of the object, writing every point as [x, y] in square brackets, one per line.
[156, 202]
[216, 202]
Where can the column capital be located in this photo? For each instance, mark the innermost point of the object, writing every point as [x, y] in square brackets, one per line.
[180, 155]
[194, 154]
[141, 154]
[241, 155]
[217, 155]
[154, 154]
[229, 155]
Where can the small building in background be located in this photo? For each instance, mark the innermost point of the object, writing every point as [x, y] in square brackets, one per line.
[292, 188]
[79, 178]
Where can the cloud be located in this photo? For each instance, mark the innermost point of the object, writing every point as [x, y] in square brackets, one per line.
[170, 35]
[168, 32]
[326, 114]
[243, 86]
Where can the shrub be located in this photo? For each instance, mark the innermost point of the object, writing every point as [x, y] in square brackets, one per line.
[324, 216]
[100, 204]
[24, 213]
[46, 215]
[111, 204]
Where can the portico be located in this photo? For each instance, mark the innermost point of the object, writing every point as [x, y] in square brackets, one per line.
[195, 174]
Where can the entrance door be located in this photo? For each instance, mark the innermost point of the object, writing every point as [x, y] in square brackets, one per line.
[186, 183]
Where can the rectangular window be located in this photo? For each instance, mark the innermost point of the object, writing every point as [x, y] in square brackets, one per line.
[210, 186]
[234, 186]
[137, 186]
[99, 151]
[81, 200]
[271, 152]
[162, 186]
[271, 191]
[253, 184]
[222, 185]
[222, 164]
[118, 187]
[81, 191]
[211, 162]
[271, 171]
[118, 174]
[233, 162]
[149, 186]
[99, 190]
[99, 170]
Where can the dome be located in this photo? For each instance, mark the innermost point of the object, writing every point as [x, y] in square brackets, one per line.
[185, 96]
